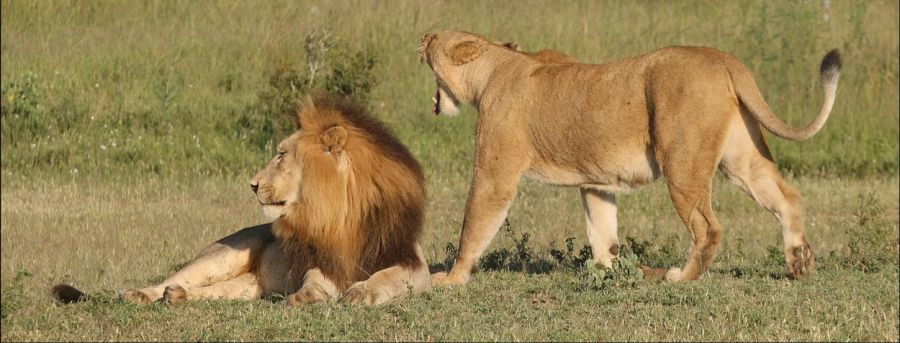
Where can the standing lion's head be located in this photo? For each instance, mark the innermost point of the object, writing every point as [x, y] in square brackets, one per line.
[450, 55]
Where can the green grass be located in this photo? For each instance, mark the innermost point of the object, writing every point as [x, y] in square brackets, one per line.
[116, 89]
[129, 131]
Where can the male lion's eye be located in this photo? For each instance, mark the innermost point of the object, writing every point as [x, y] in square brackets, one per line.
[279, 155]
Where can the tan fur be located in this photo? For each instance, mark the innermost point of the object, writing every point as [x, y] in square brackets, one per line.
[347, 201]
[543, 56]
[681, 112]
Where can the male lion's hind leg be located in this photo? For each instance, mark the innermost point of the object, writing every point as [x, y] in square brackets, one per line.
[223, 260]
[390, 283]
[316, 289]
[243, 287]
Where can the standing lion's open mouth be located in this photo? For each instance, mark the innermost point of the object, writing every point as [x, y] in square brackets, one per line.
[437, 102]
[444, 102]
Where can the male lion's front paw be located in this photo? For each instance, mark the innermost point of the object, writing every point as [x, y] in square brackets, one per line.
[309, 294]
[800, 262]
[134, 296]
[445, 279]
[174, 295]
[361, 293]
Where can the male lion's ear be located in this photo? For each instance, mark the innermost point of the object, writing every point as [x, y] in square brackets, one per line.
[464, 52]
[334, 139]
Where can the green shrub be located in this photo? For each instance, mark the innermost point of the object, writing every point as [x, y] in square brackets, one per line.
[625, 272]
[14, 295]
[872, 239]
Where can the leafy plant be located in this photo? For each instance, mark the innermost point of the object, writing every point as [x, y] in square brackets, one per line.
[14, 295]
[625, 272]
[872, 239]
[519, 258]
[568, 259]
[331, 66]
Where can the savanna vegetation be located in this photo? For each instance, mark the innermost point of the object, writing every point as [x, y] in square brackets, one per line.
[129, 132]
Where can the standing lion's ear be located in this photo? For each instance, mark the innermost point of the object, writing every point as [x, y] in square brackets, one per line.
[464, 52]
[511, 46]
[334, 139]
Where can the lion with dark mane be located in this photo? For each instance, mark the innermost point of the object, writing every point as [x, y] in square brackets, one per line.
[347, 200]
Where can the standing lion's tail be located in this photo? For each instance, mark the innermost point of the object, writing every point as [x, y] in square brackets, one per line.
[67, 294]
[749, 94]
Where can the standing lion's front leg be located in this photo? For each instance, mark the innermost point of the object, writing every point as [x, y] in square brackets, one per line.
[391, 283]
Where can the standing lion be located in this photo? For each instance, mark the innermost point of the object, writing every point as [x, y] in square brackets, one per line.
[347, 200]
[681, 112]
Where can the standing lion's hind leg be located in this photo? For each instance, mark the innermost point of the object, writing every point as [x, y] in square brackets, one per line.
[694, 206]
[748, 164]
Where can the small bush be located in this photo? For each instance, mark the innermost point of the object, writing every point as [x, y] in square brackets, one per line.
[14, 296]
[625, 272]
[21, 98]
[872, 239]
[519, 258]
[331, 66]
[664, 251]
[567, 259]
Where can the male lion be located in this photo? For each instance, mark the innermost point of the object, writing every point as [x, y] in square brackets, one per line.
[605, 128]
[347, 200]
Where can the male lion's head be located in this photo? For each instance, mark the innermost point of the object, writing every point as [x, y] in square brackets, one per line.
[450, 55]
[314, 153]
[345, 187]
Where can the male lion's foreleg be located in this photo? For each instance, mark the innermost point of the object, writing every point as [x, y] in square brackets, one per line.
[489, 201]
[317, 288]
[221, 261]
[391, 283]
[602, 230]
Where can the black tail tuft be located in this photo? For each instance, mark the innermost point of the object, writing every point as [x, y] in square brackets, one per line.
[831, 64]
[67, 294]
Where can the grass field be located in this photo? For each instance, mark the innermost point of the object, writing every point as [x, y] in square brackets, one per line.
[130, 129]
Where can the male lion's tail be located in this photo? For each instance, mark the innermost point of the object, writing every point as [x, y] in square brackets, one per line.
[67, 294]
[749, 94]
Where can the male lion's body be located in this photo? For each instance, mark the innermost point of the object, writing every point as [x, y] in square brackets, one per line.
[681, 112]
[347, 201]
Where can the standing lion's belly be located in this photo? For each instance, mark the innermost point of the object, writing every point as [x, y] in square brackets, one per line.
[621, 171]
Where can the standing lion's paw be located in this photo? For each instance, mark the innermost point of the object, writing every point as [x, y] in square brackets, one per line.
[445, 279]
[134, 296]
[800, 262]
[674, 274]
[174, 295]
[361, 293]
[309, 294]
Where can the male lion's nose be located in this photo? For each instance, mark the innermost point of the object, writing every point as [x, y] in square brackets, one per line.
[254, 186]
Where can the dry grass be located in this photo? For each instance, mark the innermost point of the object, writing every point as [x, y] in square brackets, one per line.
[105, 236]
